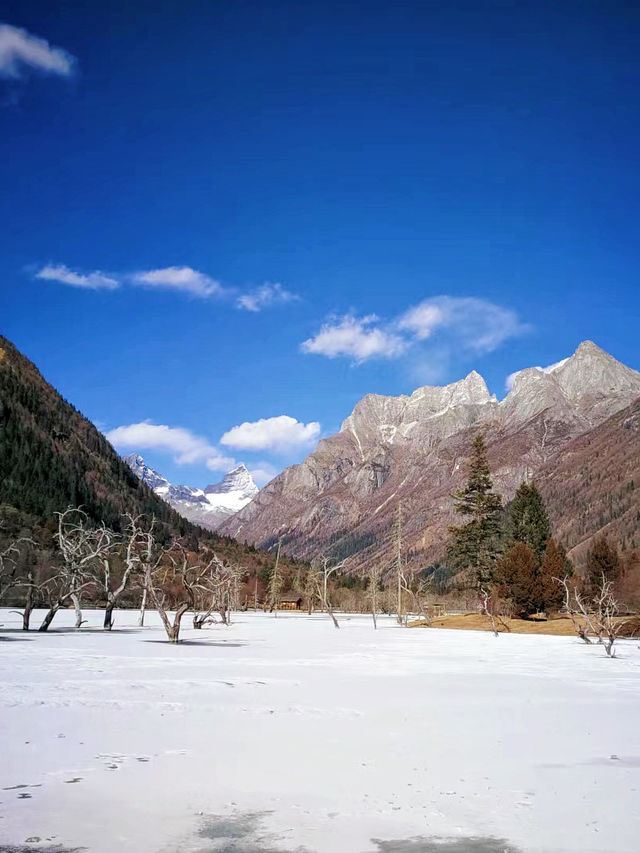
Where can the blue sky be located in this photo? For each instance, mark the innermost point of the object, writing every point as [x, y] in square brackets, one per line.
[221, 213]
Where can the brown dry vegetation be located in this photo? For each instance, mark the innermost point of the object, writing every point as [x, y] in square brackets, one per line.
[590, 486]
[560, 626]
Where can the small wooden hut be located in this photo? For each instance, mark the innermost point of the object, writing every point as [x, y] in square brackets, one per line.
[290, 601]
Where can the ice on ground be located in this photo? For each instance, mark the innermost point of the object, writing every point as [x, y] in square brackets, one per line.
[282, 734]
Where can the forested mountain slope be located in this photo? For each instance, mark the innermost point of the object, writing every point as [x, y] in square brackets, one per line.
[52, 457]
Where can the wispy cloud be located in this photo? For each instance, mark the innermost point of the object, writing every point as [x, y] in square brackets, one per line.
[263, 473]
[265, 296]
[278, 434]
[184, 279]
[358, 338]
[95, 280]
[186, 447]
[21, 51]
[476, 324]
[460, 324]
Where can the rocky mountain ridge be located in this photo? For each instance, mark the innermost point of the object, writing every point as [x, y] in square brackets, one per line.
[342, 498]
[207, 507]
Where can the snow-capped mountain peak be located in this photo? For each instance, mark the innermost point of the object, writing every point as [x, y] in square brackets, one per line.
[239, 480]
[143, 472]
[208, 507]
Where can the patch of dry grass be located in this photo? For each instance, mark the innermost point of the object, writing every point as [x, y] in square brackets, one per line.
[560, 626]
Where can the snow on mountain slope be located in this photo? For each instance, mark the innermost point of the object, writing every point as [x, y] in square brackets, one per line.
[208, 507]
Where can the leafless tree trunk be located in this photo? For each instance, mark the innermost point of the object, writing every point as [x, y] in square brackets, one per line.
[143, 607]
[400, 578]
[375, 573]
[585, 627]
[173, 628]
[134, 543]
[321, 577]
[75, 598]
[48, 619]
[32, 588]
[487, 609]
[28, 604]
[275, 583]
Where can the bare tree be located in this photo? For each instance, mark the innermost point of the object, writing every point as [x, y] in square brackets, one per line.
[35, 589]
[132, 542]
[576, 610]
[320, 575]
[10, 573]
[167, 567]
[149, 554]
[373, 590]
[419, 592]
[607, 622]
[275, 583]
[190, 580]
[401, 581]
[80, 547]
[215, 589]
[486, 608]
[597, 617]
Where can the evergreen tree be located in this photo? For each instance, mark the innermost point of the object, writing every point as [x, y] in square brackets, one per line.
[475, 546]
[554, 565]
[602, 560]
[518, 577]
[528, 520]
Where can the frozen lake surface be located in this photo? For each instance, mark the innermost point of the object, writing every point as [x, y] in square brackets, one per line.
[282, 734]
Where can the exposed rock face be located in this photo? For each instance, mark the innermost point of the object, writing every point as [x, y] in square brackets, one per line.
[208, 507]
[342, 498]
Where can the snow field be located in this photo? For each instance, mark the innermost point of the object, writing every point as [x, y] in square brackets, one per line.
[283, 734]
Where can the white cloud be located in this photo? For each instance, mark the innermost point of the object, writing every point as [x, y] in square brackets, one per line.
[356, 338]
[263, 297]
[476, 324]
[263, 473]
[457, 323]
[281, 433]
[186, 447]
[422, 320]
[20, 50]
[95, 280]
[184, 279]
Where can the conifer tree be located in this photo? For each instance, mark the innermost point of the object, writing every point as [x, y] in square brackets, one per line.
[518, 577]
[602, 560]
[475, 545]
[554, 565]
[528, 520]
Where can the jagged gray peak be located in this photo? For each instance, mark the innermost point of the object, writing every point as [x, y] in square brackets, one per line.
[586, 387]
[430, 413]
[413, 448]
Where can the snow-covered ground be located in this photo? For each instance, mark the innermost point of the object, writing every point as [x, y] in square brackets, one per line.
[283, 734]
